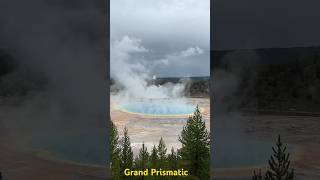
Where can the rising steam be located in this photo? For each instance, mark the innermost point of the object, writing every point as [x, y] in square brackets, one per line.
[129, 70]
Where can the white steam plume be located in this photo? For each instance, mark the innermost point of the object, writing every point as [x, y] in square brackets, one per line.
[133, 77]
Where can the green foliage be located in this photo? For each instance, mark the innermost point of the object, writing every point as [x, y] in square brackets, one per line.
[114, 152]
[173, 160]
[126, 152]
[162, 152]
[279, 165]
[193, 156]
[154, 157]
[142, 160]
[195, 151]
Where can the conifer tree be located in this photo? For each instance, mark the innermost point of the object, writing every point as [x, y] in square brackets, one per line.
[162, 152]
[173, 159]
[126, 152]
[173, 162]
[154, 157]
[195, 151]
[142, 160]
[279, 163]
[114, 152]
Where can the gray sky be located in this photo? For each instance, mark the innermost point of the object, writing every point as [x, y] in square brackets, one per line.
[265, 23]
[176, 34]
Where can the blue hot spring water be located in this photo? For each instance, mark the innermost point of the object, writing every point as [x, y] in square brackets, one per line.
[158, 107]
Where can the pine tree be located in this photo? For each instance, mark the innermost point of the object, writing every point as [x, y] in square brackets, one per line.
[142, 160]
[173, 162]
[126, 152]
[195, 151]
[173, 159]
[162, 152]
[154, 157]
[114, 152]
[279, 164]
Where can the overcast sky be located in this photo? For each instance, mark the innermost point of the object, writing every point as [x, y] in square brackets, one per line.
[176, 33]
[265, 23]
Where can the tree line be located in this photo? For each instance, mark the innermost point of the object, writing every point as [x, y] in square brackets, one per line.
[194, 155]
[283, 85]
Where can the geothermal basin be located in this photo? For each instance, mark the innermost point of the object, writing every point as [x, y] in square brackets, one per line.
[147, 120]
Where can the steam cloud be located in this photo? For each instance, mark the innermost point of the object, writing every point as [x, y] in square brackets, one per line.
[130, 70]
